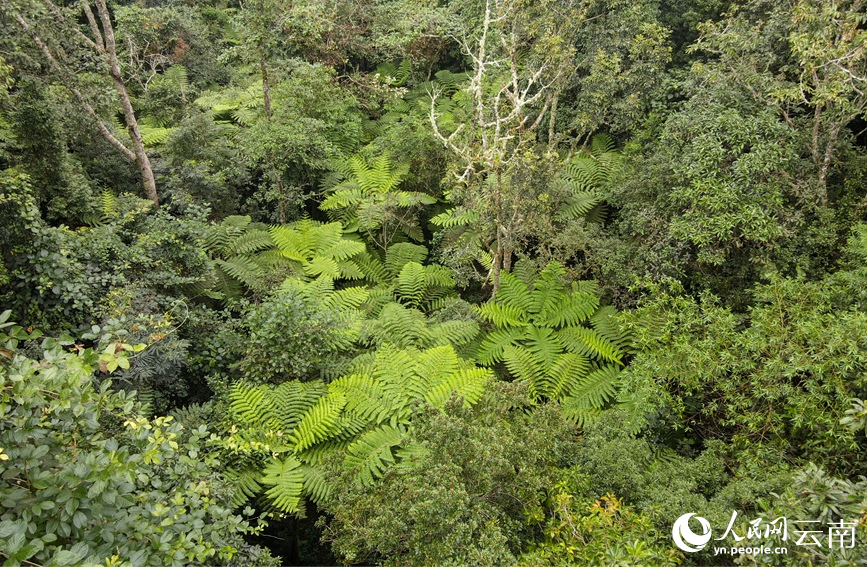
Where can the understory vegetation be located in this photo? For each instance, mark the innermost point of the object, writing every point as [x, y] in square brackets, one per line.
[411, 282]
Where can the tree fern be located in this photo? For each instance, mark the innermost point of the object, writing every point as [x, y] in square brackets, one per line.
[406, 327]
[316, 487]
[554, 337]
[592, 392]
[399, 276]
[368, 200]
[364, 415]
[455, 217]
[235, 246]
[584, 175]
[468, 383]
[319, 422]
[314, 249]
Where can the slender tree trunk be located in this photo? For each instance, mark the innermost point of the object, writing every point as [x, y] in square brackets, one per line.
[141, 157]
[501, 236]
[275, 173]
[826, 164]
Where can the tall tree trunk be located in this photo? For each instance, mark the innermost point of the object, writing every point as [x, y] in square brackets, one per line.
[141, 157]
[275, 173]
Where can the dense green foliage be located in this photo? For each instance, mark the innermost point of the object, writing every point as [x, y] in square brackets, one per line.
[430, 282]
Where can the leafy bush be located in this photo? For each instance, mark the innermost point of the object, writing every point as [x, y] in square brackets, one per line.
[293, 336]
[465, 498]
[74, 493]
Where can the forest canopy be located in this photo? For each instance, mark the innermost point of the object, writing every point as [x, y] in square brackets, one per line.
[412, 282]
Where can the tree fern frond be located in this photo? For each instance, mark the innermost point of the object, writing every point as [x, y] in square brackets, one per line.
[578, 205]
[372, 453]
[286, 479]
[589, 343]
[431, 367]
[565, 374]
[316, 487]
[605, 323]
[515, 294]
[503, 315]
[468, 383]
[457, 333]
[365, 397]
[411, 455]
[344, 249]
[594, 390]
[250, 242]
[319, 422]
[372, 267]
[402, 253]
[347, 298]
[572, 310]
[491, 349]
[322, 266]
[243, 269]
[291, 400]
[454, 218]
[542, 342]
[245, 483]
[245, 403]
[411, 283]
[601, 144]
[524, 366]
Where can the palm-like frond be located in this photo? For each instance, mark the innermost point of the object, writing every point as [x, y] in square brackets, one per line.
[544, 336]
[583, 177]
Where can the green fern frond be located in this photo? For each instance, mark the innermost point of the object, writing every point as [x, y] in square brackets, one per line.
[322, 266]
[589, 343]
[516, 295]
[594, 391]
[316, 487]
[411, 283]
[245, 483]
[571, 310]
[291, 400]
[503, 315]
[347, 298]
[602, 144]
[402, 253]
[542, 342]
[468, 383]
[492, 348]
[250, 242]
[286, 479]
[605, 323]
[365, 397]
[432, 366]
[108, 206]
[568, 370]
[319, 422]
[525, 366]
[372, 454]
[454, 218]
[455, 333]
[245, 403]
[243, 269]
[411, 455]
[578, 205]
